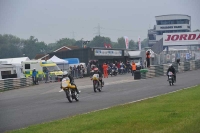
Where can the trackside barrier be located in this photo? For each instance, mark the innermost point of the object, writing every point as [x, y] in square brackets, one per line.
[15, 83]
[161, 70]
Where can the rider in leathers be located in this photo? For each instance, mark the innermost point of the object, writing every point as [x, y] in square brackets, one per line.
[171, 69]
[96, 71]
[72, 81]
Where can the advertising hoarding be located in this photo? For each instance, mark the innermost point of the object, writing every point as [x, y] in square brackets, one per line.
[181, 39]
[99, 52]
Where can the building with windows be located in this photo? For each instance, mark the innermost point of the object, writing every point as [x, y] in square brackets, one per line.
[172, 23]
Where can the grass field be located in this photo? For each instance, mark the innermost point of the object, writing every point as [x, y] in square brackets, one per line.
[172, 113]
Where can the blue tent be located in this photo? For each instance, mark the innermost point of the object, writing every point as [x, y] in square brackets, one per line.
[72, 60]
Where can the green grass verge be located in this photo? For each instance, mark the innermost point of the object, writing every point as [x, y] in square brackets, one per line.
[172, 113]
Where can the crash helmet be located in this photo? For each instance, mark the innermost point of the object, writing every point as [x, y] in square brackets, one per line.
[96, 69]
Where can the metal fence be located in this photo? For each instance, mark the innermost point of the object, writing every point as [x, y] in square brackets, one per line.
[160, 70]
[77, 73]
[172, 56]
[15, 83]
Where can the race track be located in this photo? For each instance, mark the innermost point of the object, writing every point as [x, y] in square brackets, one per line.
[42, 103]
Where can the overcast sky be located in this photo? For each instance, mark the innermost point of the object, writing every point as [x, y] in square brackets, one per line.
[51, 20]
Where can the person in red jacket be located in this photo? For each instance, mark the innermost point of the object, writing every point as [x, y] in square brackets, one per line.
[148, 58]
[105, 70]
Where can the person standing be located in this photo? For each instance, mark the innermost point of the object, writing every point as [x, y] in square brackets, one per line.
[133, 68]
[46, 75]
[74, 71]
[105, 70]
[145, 64]
[34, 76]
[148, 58]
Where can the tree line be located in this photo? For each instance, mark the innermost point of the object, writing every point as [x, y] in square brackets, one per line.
[12, 46]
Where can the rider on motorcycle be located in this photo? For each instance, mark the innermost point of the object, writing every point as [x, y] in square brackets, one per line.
[171, 69]
[71, 81]
[96, 71]
[114, 68]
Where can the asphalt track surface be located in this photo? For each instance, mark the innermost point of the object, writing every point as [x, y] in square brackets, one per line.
[42, 103]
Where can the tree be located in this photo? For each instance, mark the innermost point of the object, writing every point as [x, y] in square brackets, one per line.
[133, 45]
[144, 43]
[33, 47]
[78, 43]
[65, 42]
[99, 41]
[121, 42]
[10, 46]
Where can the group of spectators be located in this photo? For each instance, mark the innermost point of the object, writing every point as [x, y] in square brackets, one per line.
[119, 66]
[77, 71]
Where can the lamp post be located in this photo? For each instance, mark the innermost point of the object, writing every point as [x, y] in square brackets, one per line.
[82, 42]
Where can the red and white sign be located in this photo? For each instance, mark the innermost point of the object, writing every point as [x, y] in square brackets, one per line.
[183, 38]
[126, 42]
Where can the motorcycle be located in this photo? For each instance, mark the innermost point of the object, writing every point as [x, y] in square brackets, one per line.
[113, 72]
[122, 70]
[70, 90]
[171, 78]
[96, 83]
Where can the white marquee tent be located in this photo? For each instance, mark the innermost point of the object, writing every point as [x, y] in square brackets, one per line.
[62, 64]
[57, 60]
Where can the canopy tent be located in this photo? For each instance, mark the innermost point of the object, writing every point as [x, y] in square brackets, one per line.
[57, 60]
[62, 64]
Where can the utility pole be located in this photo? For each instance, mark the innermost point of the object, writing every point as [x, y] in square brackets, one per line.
[73, 36]
[82, 42]
[99, 29]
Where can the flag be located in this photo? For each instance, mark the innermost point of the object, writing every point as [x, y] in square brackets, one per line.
[126, 42]
[107, 45]
[139, 43]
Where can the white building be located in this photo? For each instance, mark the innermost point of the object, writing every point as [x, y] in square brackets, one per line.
[172, 23]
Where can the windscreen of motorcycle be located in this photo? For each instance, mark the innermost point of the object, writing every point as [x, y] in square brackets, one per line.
[65, 82]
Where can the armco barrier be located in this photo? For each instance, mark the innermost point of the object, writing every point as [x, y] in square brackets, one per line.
[161, 70]
[14, 83]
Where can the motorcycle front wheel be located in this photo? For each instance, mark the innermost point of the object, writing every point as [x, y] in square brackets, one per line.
[95, 85]
[69, 95]
[76, 96]
[100, 86]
